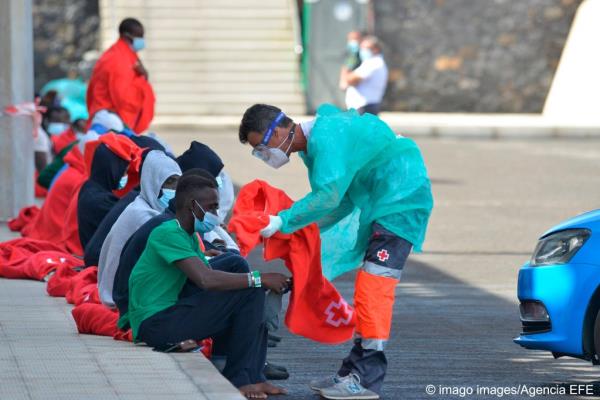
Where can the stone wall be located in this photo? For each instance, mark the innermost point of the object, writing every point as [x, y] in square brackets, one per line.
[471, 55]
[63, 31]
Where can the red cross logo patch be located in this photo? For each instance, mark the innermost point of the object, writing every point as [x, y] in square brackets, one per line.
[339, 313]
[383, 255]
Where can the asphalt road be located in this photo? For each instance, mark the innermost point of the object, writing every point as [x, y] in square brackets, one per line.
[456, 311]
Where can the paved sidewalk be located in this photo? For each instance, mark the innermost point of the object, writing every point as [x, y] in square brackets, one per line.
[43, 357]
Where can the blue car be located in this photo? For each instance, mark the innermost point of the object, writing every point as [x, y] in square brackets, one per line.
[559, 291]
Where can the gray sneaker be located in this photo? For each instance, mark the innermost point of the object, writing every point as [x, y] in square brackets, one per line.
[319, 384]
[349, 388]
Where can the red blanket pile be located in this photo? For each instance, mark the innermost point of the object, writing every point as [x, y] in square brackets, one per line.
[37, 259]
[40, 260]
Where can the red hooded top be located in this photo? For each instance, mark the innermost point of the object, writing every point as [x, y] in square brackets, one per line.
[116, 86]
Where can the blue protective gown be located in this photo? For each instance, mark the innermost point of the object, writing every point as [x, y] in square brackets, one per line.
[360, 172]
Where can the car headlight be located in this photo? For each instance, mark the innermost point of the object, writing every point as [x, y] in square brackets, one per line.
[559, 247]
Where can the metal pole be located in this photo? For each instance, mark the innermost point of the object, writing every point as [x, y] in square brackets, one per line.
[16, 86]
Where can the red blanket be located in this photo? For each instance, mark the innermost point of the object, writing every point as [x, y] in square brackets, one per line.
[70, 229]
[39, 191]
[83, 287]
[59, 142]
[49, 223]
[316, 310]
[60, 283]
[17, 258]
[96, 319]
[115, 85]
[26, 215]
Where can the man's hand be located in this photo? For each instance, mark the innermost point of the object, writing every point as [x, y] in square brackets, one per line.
[219, 243]
[140, 70]
[212, 253]
[343, 85]
[278, 283]
[275, 224]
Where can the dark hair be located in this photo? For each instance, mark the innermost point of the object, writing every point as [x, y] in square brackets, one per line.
[56, 109]
[52, 111]
[258, 118]
[202, 173]
[128, 24]
[188, 185]
[374, 41]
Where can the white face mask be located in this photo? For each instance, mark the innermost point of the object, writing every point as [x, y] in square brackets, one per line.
[274, 156]
[56, 128]
[278, 157]
[365, 53]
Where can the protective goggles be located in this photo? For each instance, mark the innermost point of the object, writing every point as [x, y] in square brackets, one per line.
[261, 150]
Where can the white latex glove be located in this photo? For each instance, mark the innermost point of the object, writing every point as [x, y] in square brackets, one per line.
[275, 224]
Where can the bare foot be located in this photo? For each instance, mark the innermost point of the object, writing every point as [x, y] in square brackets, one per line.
[271, 389]
[255, 391]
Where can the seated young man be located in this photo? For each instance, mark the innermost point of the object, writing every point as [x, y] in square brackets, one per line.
[225, 305]
[134, 247]
[228, 260]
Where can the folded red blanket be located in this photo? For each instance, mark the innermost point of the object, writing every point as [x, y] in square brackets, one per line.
[316, 310]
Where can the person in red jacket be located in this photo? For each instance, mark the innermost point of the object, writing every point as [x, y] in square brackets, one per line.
[119, 81]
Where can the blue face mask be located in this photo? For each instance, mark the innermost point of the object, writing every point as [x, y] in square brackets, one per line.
[123, 182]
[138, 43]
[56, 128]
[210, 221]
[99, 129]
[365, 54]
[128, 132]
[168, 195]
[353, 46]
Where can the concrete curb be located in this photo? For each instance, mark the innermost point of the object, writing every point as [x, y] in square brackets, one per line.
[467, 126]
[212, 384]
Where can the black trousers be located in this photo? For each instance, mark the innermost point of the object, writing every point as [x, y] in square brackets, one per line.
[369, 365]
[234, 319]
[372, 108]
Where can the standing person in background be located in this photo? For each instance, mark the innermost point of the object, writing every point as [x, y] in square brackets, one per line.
[366, 84]
[119, 81]
[352, 60]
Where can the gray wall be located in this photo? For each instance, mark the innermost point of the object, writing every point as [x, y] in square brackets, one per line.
[63, 30]
[471, 55]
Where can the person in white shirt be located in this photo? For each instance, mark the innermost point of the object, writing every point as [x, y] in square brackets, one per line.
[365, 86]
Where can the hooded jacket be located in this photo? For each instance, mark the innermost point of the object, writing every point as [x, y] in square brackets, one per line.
[157, 168]
[200, 155]
[91, 255]
[96, 196]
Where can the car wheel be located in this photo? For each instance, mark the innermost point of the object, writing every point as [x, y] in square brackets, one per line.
[596, 354]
